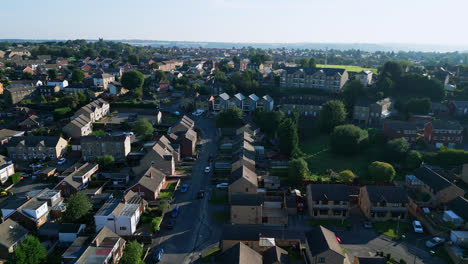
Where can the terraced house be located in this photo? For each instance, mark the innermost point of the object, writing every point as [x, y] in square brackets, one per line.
[92, 147]
[331, 80]
[382, 203]
[328, 201]
[36, 147]
[94, 110]
[308, 106]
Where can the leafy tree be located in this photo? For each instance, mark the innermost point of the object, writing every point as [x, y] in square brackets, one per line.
[78, 205]
[415, 85]
[82, 98]
[396, 149]
[419, 106]
[231, 117]
[133, 80]
[133, 253]
[386, 86]
[312, 63]
[70, 100]
[298, 170]
[333, 113]
[30, 251]
[304, 63]
[414, 159]
[392, 69]
[346, 176]
[26, 76]
[353, 91]
[106, 162]
[143, 128]
[160, 75]
[133, 59]
[381, 171]
[288, 139]
[98, 133]
[348, 139]
[52, 74]
[77, 76]
[268, 121]
[63, 112]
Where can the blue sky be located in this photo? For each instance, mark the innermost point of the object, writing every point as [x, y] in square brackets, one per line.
[285, 21]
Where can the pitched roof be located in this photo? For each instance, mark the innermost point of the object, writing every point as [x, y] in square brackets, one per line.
[329, 192]
[254, 232]
[275, 255]
[309, 71]
[30, 121]
[246, 199]
[267, 98]
[11, 232]
[432, 179]
[389, 194]
[254, 97]
[79, 121]
[320, 239]
[239, 97]
[444, 124]
[32, 141]
[240, 254]
[400, 125]
[244, 173]
[151, 179]
[93, 139]
[4, 133]
[459, 206]
[370, 260]
[224, 96]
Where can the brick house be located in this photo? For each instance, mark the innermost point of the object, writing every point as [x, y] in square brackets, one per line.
[443, 133]
[243, 181]
[459, 108]
[328, 201]
[308, 106]
[94, 110]
[382, 203]
[327, 79]
[30, 123]
[7, 134]
[11, 236]
[93, 147]
[440, 189]
[397, 129]
[246, 209]
[149, 185]
[7, 168]
[78, 127]
[322, 247]
[36, 147]
[162, 156]
[77, 180]
[221, 102]
[187, 141]
[368, 113]
[19, 91]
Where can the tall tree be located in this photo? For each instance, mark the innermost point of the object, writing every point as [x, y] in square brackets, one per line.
[106, 162]
[381, 172]
[133, 80]
[231, 117]
[288, 139]
[143, 128]
[304, 63]
[133, 59]
[268, 121]
[333, 113]
[29, 252]
[353, 91]
[52, 73]
[392, 69]
[133, 253]
[396, 149]
[298, 170]
[312, 63]
[348, 139]
[77, 76]
[78, 205]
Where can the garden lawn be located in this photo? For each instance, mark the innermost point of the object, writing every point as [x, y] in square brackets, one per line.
[389, 228]
[320, 158]
[350, 68]
[166, 195]
[171, 186]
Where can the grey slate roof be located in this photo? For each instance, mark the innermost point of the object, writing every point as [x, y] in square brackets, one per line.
[11, 232]
[309, 71]
[320, 239]
[32, 141]
[459, 206]
[432, 179]
[330, 192]
[246, 199]
[240, 254]
[389, 194]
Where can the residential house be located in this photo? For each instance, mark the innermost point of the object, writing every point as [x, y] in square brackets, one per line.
[120, 217]
[7, 168]
[459, 206]
[159, 156]
[238, 101]
[328, 79]
[243, 181]
[7, 134]
[78, 127]
[150, 184]
[322, 246]
[440, 189]
[16, 92]
[382, 203]
[11, 236]
[328, 201]
[251, 101]
[30, 123]
[240, 254]
[365, 77]
[77, 179]
[68, 233]
[106, 247]
[33, 211]
[443, 133]
[77, 87]
[221, 102]
[116, 88]
[371, 113]
[242, 161]
[60, 83]
[93, 147]
[36, 147]
[204, 102]
[103, 80]
[397, 129]
[184, 124]
[266, 103]
[94, 110]
[187, 141]
[246, 209]
[459, 108]
[308, 106]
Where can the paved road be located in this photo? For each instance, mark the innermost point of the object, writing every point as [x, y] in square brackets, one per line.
[194, 230]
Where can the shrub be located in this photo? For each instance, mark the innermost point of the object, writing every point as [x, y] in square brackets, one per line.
[155, 223]
[348, 139]
[381, 171]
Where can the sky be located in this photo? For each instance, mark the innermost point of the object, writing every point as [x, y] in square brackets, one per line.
[261, 21]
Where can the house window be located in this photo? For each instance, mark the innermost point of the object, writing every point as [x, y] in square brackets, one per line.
[321, 260]
[246, 189]
[123, 228]
[336, 202]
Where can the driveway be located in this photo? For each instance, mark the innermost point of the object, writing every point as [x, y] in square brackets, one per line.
[194, 229]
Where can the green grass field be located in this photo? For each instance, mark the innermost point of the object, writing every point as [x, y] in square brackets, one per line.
[389, 228]
[350, 68]
[320, 158]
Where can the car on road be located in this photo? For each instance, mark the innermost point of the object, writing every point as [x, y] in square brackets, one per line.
[222, 185]
[157, 255]
[189, 159]
[128, 134]
[417, 227]
[201, 194]
[207, 169]
[175, 212]
[61, 161]
[170, 224]
[199, 112]
[367, 224]
[435, 241]
[35, 165]
[183, 188]
[176, 113]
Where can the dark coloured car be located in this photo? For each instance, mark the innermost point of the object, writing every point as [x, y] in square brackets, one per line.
[175, 212]
[184, 188]
[157, 255]
[201, 194]
[170, 224]
[190, 159]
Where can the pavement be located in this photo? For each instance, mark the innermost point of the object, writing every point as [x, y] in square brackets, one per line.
[194, 230]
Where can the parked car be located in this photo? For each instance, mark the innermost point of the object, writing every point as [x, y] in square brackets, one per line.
[175, 211]
[417, 227]
[183, 188]
[61, 161]
[170, 224]
[176, 113]
[157, 255]
[199, 112]
[223, 185]
[189, 159]
[207, 169]
[201, 194]
[128, 134]
[367, 224]
[435, 241]
[35, 165]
